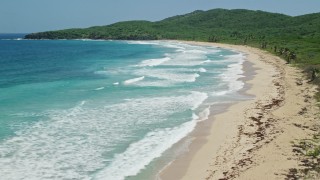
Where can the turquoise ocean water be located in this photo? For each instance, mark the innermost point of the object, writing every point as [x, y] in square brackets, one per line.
[84, 109]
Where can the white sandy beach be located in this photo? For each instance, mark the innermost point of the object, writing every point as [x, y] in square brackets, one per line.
[253, 138]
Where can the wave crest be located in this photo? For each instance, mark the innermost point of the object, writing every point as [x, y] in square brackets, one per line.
[134, 80]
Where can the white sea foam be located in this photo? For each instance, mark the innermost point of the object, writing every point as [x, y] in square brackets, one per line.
[116, 83]
[153, 62]
[237, 58]
[196, 51]
[234, 72]
[206, 61]
[172, 75]
[204, 115]
[99, 88]
[72, 143]
[202, 70]
[186, 59]
[141, 153]
[202, 96]
[82, 103]
[50, 150]
[134, 80]
[219, 93]
[175, 46]
[155, 83]
[16, 39]
[187, 55]
[143, 42]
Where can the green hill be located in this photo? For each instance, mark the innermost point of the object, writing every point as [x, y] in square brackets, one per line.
[296, 39]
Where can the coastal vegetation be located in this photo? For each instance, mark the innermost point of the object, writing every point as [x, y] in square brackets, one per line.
[309, 149]
[296, 39]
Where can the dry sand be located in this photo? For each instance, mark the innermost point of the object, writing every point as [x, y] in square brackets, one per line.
[253, 138]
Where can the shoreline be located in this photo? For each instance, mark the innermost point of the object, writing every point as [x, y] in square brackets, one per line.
[246, 139]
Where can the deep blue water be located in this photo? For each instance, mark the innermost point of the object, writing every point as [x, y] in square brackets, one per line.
[83, 109]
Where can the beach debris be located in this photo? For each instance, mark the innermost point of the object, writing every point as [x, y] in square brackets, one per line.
[274, 103]
[303, 111]
[299, 83]
[292, 175]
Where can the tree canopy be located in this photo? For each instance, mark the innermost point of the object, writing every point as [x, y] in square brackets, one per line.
[296, 38]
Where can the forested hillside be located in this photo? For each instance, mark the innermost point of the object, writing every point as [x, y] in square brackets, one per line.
[296, 39]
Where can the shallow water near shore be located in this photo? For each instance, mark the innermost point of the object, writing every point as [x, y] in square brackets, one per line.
[89, 109]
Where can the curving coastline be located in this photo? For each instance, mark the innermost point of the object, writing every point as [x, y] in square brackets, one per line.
[252, 139]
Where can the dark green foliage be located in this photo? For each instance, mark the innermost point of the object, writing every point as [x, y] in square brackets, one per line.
[296, 39]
